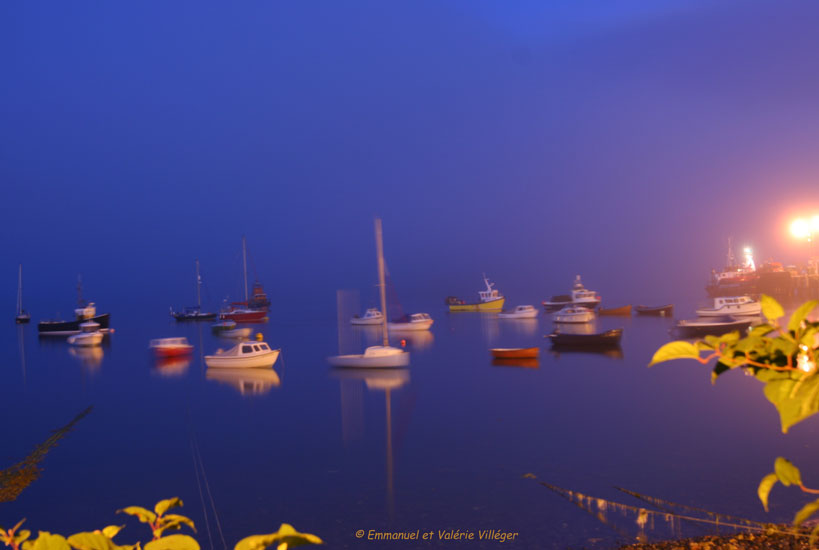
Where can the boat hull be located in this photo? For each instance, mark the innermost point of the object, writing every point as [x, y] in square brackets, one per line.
[245, 315]
[492, 305]
[172, 351]
[22, 319]
[252, 362]
[360, 321]
[753, 310]
[515, 353]
[194, 316]
[530, 314]
[657, 311]
[688, 330]
[373, 357]
[62, 328]
[419, 325]
[557, 306]
[624, 311]
[607, 339]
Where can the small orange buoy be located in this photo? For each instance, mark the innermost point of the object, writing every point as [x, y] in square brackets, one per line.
[259, 337]
[403, 343]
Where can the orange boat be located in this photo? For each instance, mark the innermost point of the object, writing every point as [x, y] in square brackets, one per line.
[515, 353]
[624, 311]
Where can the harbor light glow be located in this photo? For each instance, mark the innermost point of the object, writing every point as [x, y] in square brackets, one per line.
[802, 228]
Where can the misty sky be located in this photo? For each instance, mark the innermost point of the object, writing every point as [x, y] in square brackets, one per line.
[531, 140]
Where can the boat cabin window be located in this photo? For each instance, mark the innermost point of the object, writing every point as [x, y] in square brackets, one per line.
[247, 349]
[256, 348]
[263, 346]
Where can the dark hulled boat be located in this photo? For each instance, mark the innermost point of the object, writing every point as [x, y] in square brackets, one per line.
[607, 339]
[83, 314]
[713, 325]
[658, 311]
[194, 313]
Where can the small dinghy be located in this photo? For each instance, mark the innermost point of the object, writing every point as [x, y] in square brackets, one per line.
[371, 317]
[624, 311]
[170, 347]
[657, 311]
[515, 353]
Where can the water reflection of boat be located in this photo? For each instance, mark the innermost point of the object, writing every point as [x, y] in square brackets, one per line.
[419, 340]
[611, 353]
[172, 366]
[90, 356]
[529, 363]
[247, 381]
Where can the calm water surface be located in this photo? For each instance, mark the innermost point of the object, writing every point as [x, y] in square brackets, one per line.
[443, 445]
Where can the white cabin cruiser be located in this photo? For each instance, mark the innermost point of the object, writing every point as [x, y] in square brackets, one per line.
[416, 321]
[520, 312]
[371, 317]
[580, 296]
[90, 335]
[574, 314]
[732, 305]
[250, 354]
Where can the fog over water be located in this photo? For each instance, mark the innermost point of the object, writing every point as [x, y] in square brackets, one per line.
[531, 142]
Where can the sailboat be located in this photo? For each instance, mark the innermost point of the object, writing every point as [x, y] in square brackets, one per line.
[383, 355]
[244, 312]
[22, 315]
[194, 313]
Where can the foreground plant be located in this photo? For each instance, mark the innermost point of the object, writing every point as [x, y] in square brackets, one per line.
[159, 521]
[782, 357]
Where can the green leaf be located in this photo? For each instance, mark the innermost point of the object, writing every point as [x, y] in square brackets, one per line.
[787, 473]
[771, 308]
[800, 314]
[675, 350]
[164, 505]
[112, 530]
[173, 542]
[286, 534]
[761, 330]
[808, 337]
[145, 516]
[47, 541]
[91, 541]
[765, 487]
[807, 511]
[172, 521]
[793, 403]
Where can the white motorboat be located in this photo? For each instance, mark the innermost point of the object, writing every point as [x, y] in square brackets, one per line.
[574, 314]
[416, 321]
[90, 335]
[371, 317]
[383, 355]
[520, 312]
[580, 296]
[731, 305]
[256, 354]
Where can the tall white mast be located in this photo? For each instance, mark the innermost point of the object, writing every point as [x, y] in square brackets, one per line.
[244, 264]
[198, 286]
[20, 291]
[379, 246]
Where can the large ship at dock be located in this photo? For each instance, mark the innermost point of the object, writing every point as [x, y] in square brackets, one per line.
[737, 279]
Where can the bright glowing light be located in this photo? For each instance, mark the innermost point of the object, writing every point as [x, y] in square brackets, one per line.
[803, 360]
[801, 228]
[747, 250]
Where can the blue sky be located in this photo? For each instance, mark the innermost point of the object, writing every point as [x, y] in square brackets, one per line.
[530, 140]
